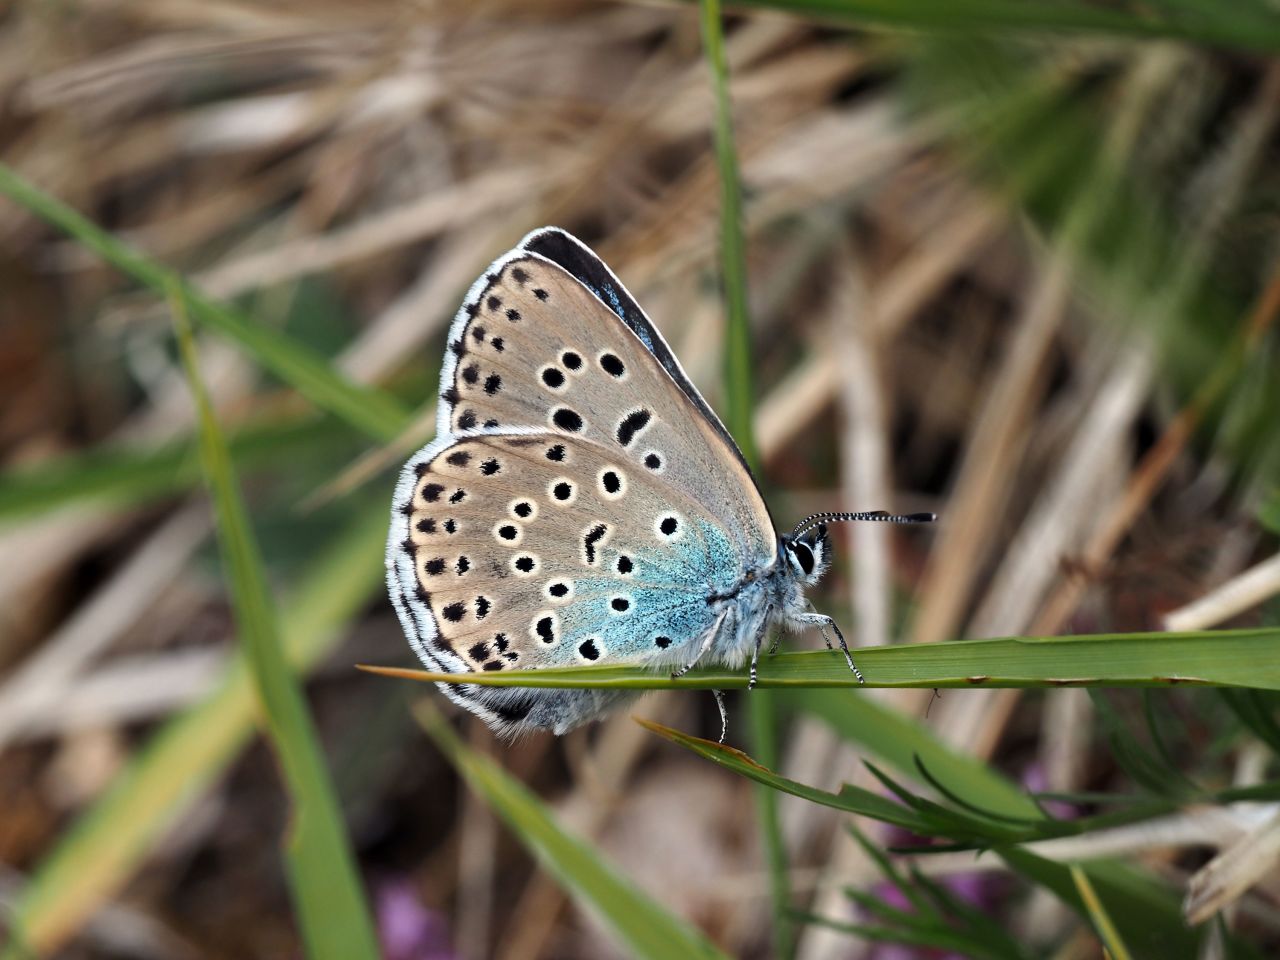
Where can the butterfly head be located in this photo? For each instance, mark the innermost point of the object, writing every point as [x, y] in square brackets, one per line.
[806, 551]
[807, 556]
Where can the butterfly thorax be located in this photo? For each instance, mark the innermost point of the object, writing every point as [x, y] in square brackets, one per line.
[766, 596]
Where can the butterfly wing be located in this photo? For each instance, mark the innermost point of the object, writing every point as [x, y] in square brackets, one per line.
[581, 500]
[537, 548]
[533, 346]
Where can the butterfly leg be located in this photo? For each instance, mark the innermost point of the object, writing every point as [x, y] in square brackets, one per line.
[777, 638]
[724, 715]
[822, 622]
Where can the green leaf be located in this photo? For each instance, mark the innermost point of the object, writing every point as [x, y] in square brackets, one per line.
[1232, 658]
[333, 916]
[642, 925]
[1269, 512]
[908, 746]
[1236, 25]
[1257, 710]
[931, 939]
[1146, 913]
[850, 799]
[1146, 766]
[369, 410]
[97, 854]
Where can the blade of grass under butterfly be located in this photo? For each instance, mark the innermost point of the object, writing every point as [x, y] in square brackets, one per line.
[1236, 25]
[761, 715]
[642, 925]
[173, 770]
[1229, 658]
[332, 913]
[371, 411]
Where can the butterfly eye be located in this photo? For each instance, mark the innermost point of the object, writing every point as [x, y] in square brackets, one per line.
[804, 557]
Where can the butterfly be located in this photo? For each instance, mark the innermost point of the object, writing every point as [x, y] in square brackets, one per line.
[582, 504]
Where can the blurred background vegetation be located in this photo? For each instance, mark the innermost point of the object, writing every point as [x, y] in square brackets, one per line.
[1014, 262]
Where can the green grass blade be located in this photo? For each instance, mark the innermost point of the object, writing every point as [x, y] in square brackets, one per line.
[761, 714]
[369, 410]
[1229, 658]
[733, 259]
[850, 799]
[1258, 712]
[1231, 26]
[1102, 924]
[936, 941]
[333, 916]
[902, 741]
[102, 849]
[127, 476]
[646, 928]
[1146, 914]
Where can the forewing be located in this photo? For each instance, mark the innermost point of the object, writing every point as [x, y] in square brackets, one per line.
[534, 348]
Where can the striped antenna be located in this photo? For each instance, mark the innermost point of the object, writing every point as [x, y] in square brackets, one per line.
[812, 521]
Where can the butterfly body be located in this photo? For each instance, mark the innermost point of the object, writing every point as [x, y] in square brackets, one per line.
[581, 502]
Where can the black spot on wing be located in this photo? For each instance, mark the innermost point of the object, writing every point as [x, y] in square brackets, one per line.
[567, 419]
[632, 424]
[611, 365]
[592, 537]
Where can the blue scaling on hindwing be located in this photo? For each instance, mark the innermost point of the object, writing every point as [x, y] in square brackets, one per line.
[665, 598]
